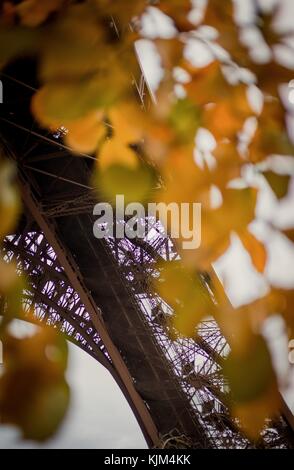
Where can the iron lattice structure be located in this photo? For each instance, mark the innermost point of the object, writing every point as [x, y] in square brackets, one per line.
[99, 292]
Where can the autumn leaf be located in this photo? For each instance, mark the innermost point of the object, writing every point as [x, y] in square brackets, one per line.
[40, 360]
[128, 122]
[120, 171]
[83, 135]
[178, 10]
[8, 276]
[278, 183]
[221, 17]
[253, 386]
[289, 234]
[17, 42]
[184, 291]
[11, 282]
[116, 152]
[255, 249]
[276, 301]
[12, 285]
[7, 13]
[73, 46]
[9, 198]
[60, 102]
[34, 12]
[207, 84]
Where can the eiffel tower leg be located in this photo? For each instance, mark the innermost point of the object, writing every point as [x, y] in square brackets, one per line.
[119, 370]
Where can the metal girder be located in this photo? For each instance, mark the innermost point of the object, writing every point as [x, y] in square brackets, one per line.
[118, 368]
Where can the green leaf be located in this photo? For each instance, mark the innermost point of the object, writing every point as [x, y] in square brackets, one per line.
[17, 42]
[185, 119]
[34, 394]
[250, 374]
[117, 179]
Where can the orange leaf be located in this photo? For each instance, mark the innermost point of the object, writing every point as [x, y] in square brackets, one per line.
[85, 133]
[256, 250]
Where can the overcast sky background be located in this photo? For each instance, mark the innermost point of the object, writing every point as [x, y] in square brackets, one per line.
[99, 416]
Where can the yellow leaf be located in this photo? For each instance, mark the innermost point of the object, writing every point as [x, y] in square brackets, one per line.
[128, 122]
[220, 15]
[121, 12]
[9, 199]
[120, 172]
[8, 13]
[74, 46]
[60, 102]
[171, 52]
[271, 136]
[86, 133]
[8, 276]
[17, 41]
[115, 151]
[184, 119]
[235, 213]
[271, 75]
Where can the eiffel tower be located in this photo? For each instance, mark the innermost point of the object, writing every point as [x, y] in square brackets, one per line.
[99, 292]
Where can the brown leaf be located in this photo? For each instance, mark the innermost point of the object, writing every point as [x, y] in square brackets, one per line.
[278, 183]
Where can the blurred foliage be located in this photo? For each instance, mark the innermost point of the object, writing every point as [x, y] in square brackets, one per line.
[86, 61]
[34, 394]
